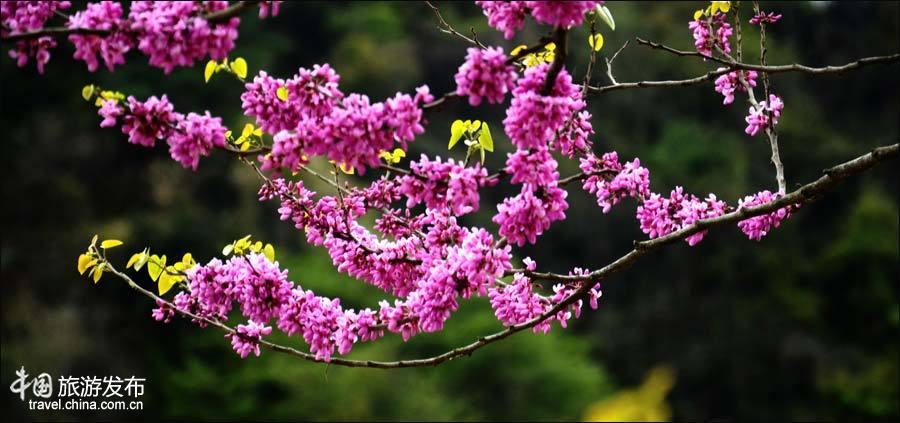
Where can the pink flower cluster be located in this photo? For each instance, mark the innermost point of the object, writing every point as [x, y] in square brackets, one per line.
[517, 303]
[759, 117]
[660, 216]
[317, 119]
[246, 338]
[189, 137]
[729, 83]
[25, 16]
[171, 33]
[485, 74]
[527, 215]
[143, 122]
[505, 16]
[509, 16]
[541, 201]
[763, 17]
[611, 181]
[444, 185]
[105, 15]
[757, 227]
[565, 14]
[194, 137]
[532, 118]
[573, 138]
[711, 33]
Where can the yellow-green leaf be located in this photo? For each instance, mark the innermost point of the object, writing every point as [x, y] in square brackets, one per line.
[282, 93]
[166, 281]
[596, 41]
[188, 259]
[347, 169]
[136, 257]
[98, 273]
[94, 240]
[698, 14]
[515, 52]
[155, 266]
[84, 263]
[248, 129]
[485, 139]
[456, 132]
[142, 260]
[239, 66]
[269, 252]
[228, 249]
[211, 67]
[550, 47]
[110, 243]
[87, 92]
[606, 16]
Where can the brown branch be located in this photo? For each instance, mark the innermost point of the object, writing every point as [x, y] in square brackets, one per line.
[559, 60]
[794, 67]
[445, 27]
[856, 64]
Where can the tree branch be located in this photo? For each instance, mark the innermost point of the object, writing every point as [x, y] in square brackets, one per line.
[805, 193]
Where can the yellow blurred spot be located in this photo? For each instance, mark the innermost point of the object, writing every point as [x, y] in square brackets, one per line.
[646, 402]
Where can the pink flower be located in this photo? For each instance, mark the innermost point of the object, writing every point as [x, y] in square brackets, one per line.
[505, 16]
[763, 17]
[526, 216]
[711, 33]
[660, 216]
[146, 122]
[560, 13]
[485, 74]
[757, 227]
[106, 15]
[195, 136]
[246, 338]
[532, 118]
[110, 111]
[611, 182]
[758, 118]
[729, 83]
[173, 34]
[444, 185]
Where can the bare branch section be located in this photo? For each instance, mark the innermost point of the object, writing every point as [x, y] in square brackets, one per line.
[219, 16]
[731, 66]
[804, 194]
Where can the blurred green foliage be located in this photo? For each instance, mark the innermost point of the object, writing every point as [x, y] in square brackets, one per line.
[802, 325]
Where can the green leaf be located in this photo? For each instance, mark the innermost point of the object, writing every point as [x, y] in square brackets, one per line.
[155, 266]
[485, 139]
[211, 67]
[110, 243]
[456, 132]
[606, 16]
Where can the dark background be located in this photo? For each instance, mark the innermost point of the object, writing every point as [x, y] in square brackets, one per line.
[802, 325]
